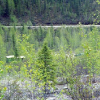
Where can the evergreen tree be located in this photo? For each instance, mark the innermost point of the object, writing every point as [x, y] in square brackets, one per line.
[14, 45]
[2, 49]
[7, 13]
[10, 7]
[46, 67]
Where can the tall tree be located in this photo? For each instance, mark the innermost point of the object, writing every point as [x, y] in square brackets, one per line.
[10, 7]
[14, 45]
[2, 49]
[46, 67]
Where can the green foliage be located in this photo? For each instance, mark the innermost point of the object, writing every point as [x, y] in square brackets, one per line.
[13, 20]
[46, 64]
[75, 52]
[2, 49]
[52, 12]
[2, 91]
[46, 67]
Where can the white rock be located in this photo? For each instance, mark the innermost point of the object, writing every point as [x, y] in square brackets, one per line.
[51, 98]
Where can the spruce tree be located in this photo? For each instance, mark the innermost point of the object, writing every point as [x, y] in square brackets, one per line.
[14, 45]
[46, 67]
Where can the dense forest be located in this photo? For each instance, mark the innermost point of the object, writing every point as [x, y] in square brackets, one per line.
[41, 12]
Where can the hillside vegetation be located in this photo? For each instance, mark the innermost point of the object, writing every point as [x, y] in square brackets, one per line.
[34, 63]
[41, 12]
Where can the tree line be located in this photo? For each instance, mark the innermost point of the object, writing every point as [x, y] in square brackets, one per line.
[48, 11]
